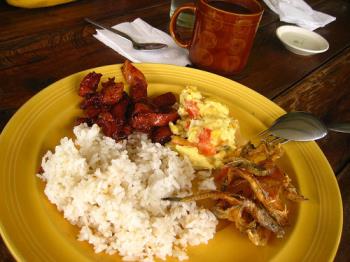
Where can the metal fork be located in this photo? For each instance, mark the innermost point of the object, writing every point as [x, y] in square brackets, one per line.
[270, 138]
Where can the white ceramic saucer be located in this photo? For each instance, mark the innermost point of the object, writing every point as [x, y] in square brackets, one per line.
[301, 41]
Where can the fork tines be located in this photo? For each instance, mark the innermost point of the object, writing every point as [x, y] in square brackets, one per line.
[270, 138]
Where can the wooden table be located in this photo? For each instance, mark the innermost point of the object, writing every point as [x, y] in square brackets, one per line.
[40, 46]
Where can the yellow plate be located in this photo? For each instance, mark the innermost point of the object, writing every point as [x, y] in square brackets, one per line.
[34, 230]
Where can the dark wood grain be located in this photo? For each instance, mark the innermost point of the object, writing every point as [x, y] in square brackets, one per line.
[325, 93]
[61, 17]
[40, 46]
[45, 48]
[269, 57]
[65, 27]
[51, 57]
[5, 255]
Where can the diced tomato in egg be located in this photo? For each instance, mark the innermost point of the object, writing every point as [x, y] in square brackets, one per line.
[204, 145]
[192, 109]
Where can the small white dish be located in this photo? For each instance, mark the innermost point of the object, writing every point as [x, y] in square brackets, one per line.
[301, 41]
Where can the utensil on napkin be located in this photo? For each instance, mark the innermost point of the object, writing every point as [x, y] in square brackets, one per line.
[142, 32]
[136, 45]
[300, 13]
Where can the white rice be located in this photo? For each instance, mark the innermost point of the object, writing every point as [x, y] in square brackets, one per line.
[113, 192]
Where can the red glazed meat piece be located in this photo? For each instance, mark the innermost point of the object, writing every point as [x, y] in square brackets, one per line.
[119, 110]
[136, 80]
[91, 100]
[142, 107]
[111, 92]
[165, 100]
[147, 120]
[89, 84]
[161, 135]
[106, 121]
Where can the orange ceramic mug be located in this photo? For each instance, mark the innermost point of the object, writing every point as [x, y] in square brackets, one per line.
[223, 33]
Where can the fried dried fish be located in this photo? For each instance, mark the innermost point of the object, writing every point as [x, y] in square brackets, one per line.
[235, 213]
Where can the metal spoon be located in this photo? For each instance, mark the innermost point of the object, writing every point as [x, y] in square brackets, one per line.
[302, 126]
[136, 45]
[340, 127]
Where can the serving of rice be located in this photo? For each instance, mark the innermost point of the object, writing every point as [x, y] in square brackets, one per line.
[112, 192]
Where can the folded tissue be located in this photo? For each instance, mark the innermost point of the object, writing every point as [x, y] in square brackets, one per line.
[140, 31]
[300, 13]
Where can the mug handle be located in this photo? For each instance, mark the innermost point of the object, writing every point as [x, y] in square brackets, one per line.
[172, 26]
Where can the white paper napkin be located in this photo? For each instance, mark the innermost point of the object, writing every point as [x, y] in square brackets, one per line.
[300, 13]
[140, 31]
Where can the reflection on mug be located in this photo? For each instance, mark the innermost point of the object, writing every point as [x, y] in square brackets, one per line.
[236, 46]
[203, 56]
[207, 39]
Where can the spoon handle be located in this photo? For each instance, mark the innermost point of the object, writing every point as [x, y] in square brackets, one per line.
[340, 127]
[109, 29]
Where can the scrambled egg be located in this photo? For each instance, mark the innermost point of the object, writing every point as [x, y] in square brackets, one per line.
[205, 132]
